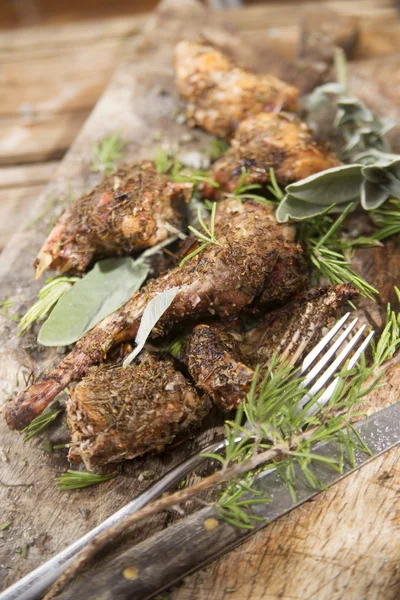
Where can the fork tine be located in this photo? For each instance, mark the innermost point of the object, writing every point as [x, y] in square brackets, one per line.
[326, 375]
[330, 390]
[315, 352]
[328, 355]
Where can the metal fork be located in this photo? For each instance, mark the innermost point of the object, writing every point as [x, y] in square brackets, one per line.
[38, 581]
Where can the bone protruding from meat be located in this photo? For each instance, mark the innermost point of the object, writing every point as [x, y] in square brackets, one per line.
[221, 280]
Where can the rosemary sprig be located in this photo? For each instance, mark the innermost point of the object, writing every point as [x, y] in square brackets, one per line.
[106, 153]
[165, 162]
[207, 238]
[292, 434]
[387, 219]
[168, 164]
[49, 295]
[175, 347]
[39, 424]
[5, 306]
[389, 340]
[216, 148]
[244, 190]
[74, 480]
[274, 187]
[323, 239]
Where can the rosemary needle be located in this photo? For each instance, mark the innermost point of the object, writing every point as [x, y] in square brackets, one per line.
[74, 480]
[39, 424]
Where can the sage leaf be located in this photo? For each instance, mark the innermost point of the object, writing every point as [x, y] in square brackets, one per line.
[381, 182]
[151, 315]
[352, 109]
[372, 196]
[337, 185]
[321, 96]
[103, 290]
[298, 210]
[375, 157]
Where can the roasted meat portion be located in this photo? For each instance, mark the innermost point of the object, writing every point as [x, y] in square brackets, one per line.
[216, 365]
[222, 363]
[129, 211]
[221, 280]
[295, 328]
[281, 141]
[118, 413]
[220, 95]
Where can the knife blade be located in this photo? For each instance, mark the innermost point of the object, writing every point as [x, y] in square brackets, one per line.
[187, 546]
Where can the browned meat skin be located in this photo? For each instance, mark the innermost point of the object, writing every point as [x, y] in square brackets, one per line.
[291, 331]
[281, 141]
[218, 361]
[220, 94]
[115, 414]
[221, 280]
[129, 211]
[214, 361]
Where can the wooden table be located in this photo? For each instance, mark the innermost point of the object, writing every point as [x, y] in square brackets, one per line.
[339, 545]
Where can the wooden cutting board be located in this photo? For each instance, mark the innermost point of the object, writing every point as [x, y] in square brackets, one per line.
[343, 544]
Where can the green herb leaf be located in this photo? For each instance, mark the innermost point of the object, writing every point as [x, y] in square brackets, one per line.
[387, 219]
[216, 148]
[39, 424]
[336, 185]
[74, 480]
[5, 525]
[381, 182]
[322, 95]
[298, 210]
[107, 152]
[103, 290]
[49, 295]
[207, 238]
[151, 315]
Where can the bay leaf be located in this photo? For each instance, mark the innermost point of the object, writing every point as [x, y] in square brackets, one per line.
[151, 315]
[337, 185]
[100, 292]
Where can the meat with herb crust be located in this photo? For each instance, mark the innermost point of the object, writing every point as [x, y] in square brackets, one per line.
[220, 94]
[267, 140]
[222, 364]
[129, 211]
[221, 280]
[118, 413]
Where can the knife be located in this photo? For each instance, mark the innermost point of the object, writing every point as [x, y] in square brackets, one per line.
[189, 545]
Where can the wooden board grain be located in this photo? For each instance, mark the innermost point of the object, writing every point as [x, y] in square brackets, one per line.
[141, 101]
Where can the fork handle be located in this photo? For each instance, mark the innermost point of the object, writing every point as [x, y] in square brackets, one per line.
[35, 584]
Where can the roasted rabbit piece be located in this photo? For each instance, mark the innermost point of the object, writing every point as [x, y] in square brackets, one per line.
[222, 364]
[220, 94]
[115, 414]
[224, 278]
[118, 413]
[129, 211]
[281, 141]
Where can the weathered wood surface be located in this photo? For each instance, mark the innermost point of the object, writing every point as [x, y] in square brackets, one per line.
[328, 546]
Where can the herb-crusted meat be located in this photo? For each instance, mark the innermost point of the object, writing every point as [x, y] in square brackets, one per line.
[281, 141]
[222, 364]
[118, 413]
[221, 280]
[220, 95]
[129, 211]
